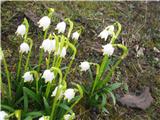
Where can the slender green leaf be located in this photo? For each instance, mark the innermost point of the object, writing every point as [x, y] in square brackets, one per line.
[34, 114]
[46, 105]
[33, 95]
[8, 108]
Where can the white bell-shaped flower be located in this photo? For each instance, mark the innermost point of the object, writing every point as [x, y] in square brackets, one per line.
[24, 48]
[75, 35]
[3, 115]
[44, 22]
[48, 45]
[69, 94]
[63, 52]
[108, 49]
[21, 30]
[110, 29]
[84, 66]
[61, 27]
[104, 34]
[69, 116]
[48, 76]
[55, 92]
[44, 118]
[28, 77]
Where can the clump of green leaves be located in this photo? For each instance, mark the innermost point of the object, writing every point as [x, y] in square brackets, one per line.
[99, 86]
[35, 93]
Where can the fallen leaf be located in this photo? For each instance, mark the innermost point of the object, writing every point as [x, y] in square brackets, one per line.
[143, 101]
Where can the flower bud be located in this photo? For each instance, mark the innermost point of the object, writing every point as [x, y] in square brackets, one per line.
[75, 35]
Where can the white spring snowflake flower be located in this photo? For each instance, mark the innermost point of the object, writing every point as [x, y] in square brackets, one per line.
[3, 115]
[55, 92]
[61, 27]
[84, 66]
[48, 45]
[108, 49]
[24, 48]
[106, 32]
[28, 77]
[44, 22]
[44, 118]
[69, 116]
[48, 75]
[69, 94]
[75, 35]
[21, 30]
[63, 52]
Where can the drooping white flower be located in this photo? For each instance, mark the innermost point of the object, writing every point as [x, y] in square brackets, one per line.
[61, 27]
[44, 118]
[21, 30]
[104, 35]
[63, 52]
[69, 116]
[24, 48]
[106, 32]
[44, 22]
[75, 35]
[84, 66]
[55, 91]
[110, 29]
[69, 94]
[28, 77]
[108, 49]
[48, 75]
[48, 45]
[3, 115]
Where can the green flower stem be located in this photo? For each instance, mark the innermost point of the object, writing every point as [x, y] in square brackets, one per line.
[41, 52]
[117, 33]
[35, 73]
[10, 115]
[48, 89]
[25, 22]
[40, 59]
[58, 92]
[48, 60]
[18, 114]
[109, 75]
[70, 28]
[19, 67]
[29, 54]
[8, 78]
[96, 80]
[73, 57]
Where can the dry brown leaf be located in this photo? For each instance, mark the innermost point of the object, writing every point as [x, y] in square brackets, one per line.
[142, 101]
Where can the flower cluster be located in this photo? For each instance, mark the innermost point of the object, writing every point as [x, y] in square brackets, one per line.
[43, 88]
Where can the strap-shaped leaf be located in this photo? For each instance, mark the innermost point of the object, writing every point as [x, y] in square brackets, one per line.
[8, 108]
[46, 105]
[114, 86]
[34, 114]
[31, 94]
